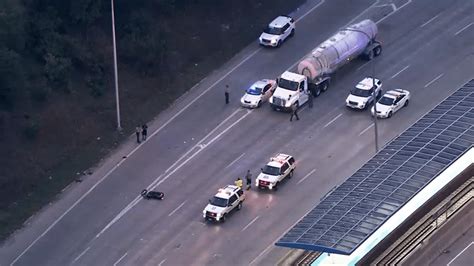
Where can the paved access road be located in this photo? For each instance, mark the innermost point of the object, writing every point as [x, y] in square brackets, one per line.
[201, 144]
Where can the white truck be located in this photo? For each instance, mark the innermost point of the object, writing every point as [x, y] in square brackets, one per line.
[315, 70]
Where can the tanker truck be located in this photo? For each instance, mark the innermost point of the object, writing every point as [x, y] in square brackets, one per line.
[315, 70]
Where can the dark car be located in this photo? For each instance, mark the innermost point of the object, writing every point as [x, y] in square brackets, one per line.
[146, 194]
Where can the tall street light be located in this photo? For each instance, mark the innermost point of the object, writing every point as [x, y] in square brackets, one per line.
[117, 100]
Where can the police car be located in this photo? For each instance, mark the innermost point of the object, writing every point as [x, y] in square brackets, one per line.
[280, 167]
[258, 93]
[361, 96]
[277, 31]
[226, 200]
[391, 102]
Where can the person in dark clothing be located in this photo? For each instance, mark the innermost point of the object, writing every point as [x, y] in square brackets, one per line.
[144, 132]
[226, 94]
[248, 178]
[294, 112]
[138, 130]
[310, 99]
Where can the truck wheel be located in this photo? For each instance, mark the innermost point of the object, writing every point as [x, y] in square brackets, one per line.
[325, 86]
[370, 55]
[239, 206]
[377, 50]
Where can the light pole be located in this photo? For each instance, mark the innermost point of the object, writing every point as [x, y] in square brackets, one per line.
[117, 99]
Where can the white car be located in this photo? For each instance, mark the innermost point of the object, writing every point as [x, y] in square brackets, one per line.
[391, 102]
[361, 96]
[279, 167]
[258, 93]
[226, 200]
[278, 31]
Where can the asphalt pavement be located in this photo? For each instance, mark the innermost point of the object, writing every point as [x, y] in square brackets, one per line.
[200, 144]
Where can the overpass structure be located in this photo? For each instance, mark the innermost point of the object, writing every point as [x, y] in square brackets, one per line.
[407, 172]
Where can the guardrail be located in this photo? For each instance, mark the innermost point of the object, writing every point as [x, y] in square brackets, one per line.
[429, 224]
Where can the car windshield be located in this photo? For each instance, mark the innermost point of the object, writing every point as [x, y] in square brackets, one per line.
[271, 170]
[360, 92]
[288, 84]
[273, 30]
[386, 100]
[216, 201]
[254, 90]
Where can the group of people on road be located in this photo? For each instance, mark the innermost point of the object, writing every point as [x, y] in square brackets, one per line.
[248, 179]
[143, 131]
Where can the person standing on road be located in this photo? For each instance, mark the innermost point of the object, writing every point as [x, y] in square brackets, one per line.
[138, 130]
[310, 99]
[238, 182]
[226, 94]
[144, 132]
[294, 112]
[248, 179]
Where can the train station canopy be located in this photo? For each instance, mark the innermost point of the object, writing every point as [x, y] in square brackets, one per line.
[354, 210]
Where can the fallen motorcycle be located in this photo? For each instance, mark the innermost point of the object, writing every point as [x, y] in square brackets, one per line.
[146, 194]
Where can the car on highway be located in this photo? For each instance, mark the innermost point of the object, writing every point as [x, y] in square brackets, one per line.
[361, 96]
[391, 102]
[258, 93]
[223, 203]
[280, 29]
[275, 171]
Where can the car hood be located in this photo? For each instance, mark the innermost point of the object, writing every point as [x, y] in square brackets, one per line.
[213, 208]
[383, 108]
[265, 177]
[267, 36]
[357, 99]
[251, 98]
[284, 93]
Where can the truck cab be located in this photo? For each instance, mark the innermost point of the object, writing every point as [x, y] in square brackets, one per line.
[291, 89]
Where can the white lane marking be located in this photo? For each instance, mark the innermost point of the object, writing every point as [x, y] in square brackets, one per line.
[161, 263]
[394, 11]
[249, 224]
[429, 21]
[433, 80]
[461, 30]
[121, 258]
[334, 119]
[311, 10]
[462, 251]
[80, 255]
[367, 128]
[363, 65]
[306, 176]
[199, 144]
[179, 207]
[234, 161]
[398, 73]
[157, 183]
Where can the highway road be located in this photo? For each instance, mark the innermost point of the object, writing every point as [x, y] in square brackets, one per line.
[199, 144]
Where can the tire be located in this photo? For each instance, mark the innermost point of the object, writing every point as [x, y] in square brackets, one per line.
[377, 50]
[239, 206]
[224, 217]
[292, 33]
[278, 44]
[389, 114]
[259, 104]
[276, 186]
[316, 92]
[290, 175]
[370, 55]
[325, 86]
[406, 103]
